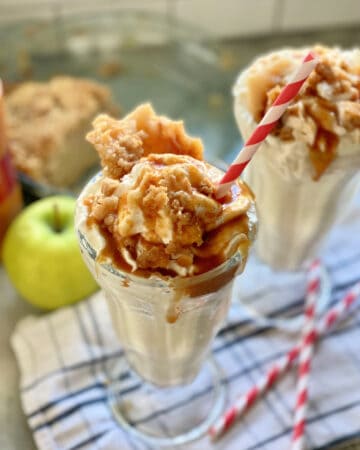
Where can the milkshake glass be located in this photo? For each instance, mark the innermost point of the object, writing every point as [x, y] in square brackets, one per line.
[306, 172]
[165, 319]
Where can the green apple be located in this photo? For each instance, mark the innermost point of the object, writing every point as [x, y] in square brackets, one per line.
[42, 257]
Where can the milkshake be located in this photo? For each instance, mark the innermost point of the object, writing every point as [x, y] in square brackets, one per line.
[163, 249]
[307, 171]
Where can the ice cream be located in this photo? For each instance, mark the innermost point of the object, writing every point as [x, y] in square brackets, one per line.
[307, 170]
[164, 250]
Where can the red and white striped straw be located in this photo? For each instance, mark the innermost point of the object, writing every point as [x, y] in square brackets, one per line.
[267, 123]
[245, 402]
[306, 354]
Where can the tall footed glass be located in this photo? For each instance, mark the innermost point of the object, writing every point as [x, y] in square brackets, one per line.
[296, 217]
[304, 176]
[166, 327]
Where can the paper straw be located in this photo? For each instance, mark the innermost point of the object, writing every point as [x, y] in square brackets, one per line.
[267, 123]
[245, 402]
[306, 354]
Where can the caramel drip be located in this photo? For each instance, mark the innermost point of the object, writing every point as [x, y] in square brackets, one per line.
[110, 252]
[173, 312]
[323, 152]
[204, 261]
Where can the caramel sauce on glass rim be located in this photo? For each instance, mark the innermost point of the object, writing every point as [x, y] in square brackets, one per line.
[154, 206]
[190, 286]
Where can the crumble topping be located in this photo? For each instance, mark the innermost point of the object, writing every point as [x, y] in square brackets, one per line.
[326, 108]
[118, 143]
[121, 143]
[156, 200]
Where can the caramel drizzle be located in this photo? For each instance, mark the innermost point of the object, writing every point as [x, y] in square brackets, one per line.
[324, 113]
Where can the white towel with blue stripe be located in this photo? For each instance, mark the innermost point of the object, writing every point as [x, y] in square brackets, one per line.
[65, 357]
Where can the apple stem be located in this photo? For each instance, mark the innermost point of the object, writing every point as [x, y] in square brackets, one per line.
[57, 218]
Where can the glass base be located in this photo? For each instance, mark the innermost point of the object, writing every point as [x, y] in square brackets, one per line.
[276, 298]
[168, 416]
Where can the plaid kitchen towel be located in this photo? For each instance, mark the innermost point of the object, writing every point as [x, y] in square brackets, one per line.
[65, 357]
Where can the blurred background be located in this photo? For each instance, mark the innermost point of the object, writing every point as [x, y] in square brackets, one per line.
[225, 19]
[182, 55]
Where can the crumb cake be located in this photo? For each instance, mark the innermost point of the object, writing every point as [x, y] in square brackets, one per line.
[47, 124]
